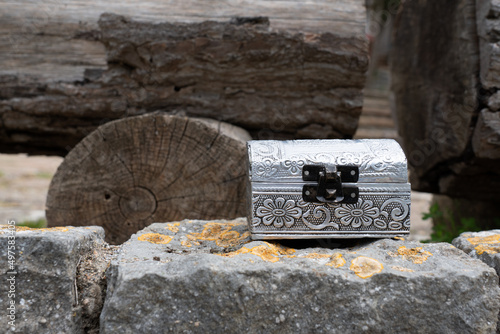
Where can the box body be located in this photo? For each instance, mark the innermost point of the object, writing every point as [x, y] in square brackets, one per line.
[278, 210]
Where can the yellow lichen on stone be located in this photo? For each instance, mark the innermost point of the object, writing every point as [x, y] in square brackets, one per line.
[399, 238]
[221, 233]
[317, 256]
[485, 244]
[282, 249]
[186, 243]
[269, 252]
[174, 227]
[44, 229]
[487, 249]
[366, 267]
[403, 269]
[416, 255]
[337, 261]
[155, 238]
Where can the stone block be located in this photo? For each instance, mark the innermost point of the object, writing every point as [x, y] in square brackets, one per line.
[209, 277]
[484, 246]
[42, 279]
[486, 138]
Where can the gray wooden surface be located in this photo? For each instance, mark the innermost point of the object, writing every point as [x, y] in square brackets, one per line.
[55, 39]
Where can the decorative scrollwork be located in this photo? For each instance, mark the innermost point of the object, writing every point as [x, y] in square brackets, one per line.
[397, 213]
[372, 214]
[395, 225]
[318, 213]
[380, 223]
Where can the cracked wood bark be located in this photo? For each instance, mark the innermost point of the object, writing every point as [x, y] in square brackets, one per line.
[298, 74]
[130, 173]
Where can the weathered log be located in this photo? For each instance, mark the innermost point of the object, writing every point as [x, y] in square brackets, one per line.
[130, 173]
[452, 148]
[299, 73]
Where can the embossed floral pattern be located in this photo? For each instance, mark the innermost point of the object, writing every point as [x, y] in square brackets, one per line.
[361, 213]
[266, 168]
[279, 212]
[294, 165]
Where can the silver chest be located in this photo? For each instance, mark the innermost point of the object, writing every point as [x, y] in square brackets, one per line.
[327, 189]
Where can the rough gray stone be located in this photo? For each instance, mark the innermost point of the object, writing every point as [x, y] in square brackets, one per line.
[208, 277]
[484, 246]
[46, 262]
[494, 101]
[486, 138]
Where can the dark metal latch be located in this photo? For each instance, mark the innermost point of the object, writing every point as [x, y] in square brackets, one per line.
[329, 187]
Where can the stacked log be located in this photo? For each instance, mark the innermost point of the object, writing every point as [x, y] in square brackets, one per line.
[277, 69]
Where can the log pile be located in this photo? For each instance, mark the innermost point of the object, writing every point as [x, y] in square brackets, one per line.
[445, 79]
[279, 70]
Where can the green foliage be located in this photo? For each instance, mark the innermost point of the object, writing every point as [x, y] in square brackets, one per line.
[40, 223]
[445, 228]
[1, 174]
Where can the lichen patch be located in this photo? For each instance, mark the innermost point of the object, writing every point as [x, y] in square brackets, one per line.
[366, 267]
[337, 261]
[268, 252]
[487, 249]
[155, 238]
[484, 241]
[174, 227]
[317, 256]
[416, 255]
[403, 269]
[222, 233]
[45, 229]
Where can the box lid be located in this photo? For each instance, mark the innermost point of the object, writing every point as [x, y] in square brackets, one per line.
[378, 160]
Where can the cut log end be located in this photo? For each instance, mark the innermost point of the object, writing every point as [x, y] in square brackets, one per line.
[132, 172]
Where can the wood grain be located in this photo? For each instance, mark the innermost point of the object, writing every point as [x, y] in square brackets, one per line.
[130, 173]
[58, 39]
[274, 83]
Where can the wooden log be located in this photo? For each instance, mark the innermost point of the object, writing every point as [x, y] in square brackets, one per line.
[132, 172]
[294, 71]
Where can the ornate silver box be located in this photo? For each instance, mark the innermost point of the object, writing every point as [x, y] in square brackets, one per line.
[327, 189]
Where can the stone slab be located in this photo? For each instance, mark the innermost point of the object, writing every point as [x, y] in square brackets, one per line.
[484, 246]
[486, 138]
[208, 276]
[44, 270]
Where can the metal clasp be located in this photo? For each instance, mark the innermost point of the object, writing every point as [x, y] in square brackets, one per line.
[329, 187]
